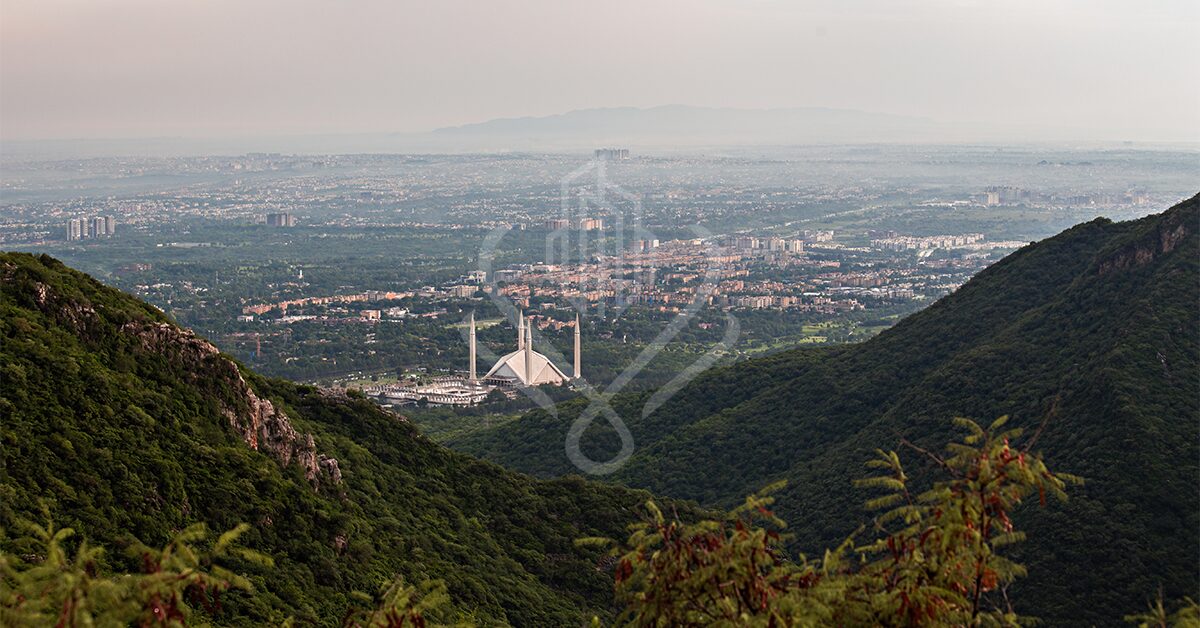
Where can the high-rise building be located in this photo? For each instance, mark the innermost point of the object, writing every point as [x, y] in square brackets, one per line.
[643, 246]
[76, 229]
[94, 227]
[281, 219]
[507, 275]
[746, 243]
[612, 153]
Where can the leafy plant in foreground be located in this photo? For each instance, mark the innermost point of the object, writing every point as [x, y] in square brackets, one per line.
[1157, 615]
[56, 587]
[400, 605]
[936, 558]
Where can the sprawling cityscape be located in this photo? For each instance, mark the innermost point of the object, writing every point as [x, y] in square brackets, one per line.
[362, 270]
[650, 313]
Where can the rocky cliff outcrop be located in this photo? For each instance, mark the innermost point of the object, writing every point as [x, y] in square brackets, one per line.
[257, 421]
[1165, 236]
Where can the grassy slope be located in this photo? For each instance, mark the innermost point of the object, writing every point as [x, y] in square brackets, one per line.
[1111, 351]
[126, 442]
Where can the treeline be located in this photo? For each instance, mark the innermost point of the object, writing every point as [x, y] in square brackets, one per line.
[933, 557]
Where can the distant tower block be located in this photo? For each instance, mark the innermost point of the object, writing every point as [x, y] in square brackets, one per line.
[576, 374]
[472, 371]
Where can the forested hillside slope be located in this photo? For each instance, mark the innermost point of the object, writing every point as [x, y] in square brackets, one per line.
[1090, 337]
[129, 427]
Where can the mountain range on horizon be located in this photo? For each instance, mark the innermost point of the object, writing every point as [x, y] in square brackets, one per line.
[686, 125]
[663, 127]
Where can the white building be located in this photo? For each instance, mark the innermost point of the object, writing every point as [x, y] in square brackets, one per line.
[526, 367]
[523, 367]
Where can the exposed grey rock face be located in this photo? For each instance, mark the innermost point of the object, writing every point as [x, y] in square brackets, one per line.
[257, 421]
[1167, 234]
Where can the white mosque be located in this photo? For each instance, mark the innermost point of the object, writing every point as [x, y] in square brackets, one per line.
[525, 367]
[519, 369]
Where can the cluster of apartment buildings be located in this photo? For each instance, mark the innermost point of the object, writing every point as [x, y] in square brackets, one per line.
[1011, 195]
[370, 295]
[745, 272]
[612, 153]
[457, 291]
[908, 243]
[582, 224]
[95, 227]
[643, 246]
[776, 245]
[281, 219]
[672, 275]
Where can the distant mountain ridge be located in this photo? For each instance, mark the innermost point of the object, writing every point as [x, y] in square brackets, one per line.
[1092, 334]
[690, 125]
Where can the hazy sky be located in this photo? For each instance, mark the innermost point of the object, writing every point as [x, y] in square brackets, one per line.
[227, 68]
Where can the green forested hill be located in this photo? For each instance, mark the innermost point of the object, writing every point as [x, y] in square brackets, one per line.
[131, 428]
[1093, 333]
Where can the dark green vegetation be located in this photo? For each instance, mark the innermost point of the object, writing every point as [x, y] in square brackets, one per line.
[131, 429]
[934, 558]
[1087, 339]
[52, 586]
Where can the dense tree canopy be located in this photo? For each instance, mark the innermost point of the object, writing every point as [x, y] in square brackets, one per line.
[126, 440]
[1091, 332]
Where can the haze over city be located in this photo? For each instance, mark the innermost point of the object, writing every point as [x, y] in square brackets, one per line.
[1023, 70]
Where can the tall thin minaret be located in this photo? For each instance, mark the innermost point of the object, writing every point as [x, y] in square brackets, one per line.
[576, 375]
[472, 376]
[520, 330]
[529, 355]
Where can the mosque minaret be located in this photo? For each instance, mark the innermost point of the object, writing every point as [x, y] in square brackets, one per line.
[525, 366]
[519, 369]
